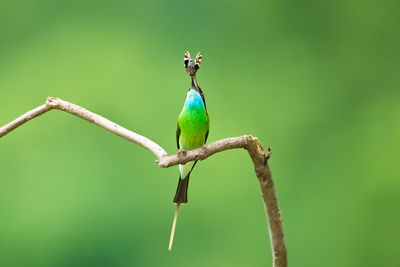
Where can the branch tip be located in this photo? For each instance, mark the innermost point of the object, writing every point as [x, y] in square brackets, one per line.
[52, 102]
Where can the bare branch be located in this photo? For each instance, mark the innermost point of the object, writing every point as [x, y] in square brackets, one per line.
[248, 142]
[24, 118]
[263, 172]
[56, 103]
[205, 151]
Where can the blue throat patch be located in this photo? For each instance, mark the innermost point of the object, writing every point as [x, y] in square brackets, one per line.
[194, 100]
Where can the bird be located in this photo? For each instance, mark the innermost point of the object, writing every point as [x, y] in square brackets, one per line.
[191, 133]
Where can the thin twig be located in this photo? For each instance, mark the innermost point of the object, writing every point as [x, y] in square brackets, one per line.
[248, 142]
[56, 103]
[23, 118]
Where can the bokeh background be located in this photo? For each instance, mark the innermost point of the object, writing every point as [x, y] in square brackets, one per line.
[317, 81]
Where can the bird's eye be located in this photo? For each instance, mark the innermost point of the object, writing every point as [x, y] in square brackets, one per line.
[196, 66]
[186, 62]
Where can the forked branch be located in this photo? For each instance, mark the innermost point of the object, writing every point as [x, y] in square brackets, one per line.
[248, 142]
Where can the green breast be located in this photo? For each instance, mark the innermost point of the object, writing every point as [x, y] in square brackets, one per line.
[193, 122]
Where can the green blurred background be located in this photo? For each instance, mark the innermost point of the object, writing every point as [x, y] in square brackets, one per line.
[317, 81]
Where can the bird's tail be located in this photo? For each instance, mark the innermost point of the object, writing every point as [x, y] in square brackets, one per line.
[181, 190]
[171, 239]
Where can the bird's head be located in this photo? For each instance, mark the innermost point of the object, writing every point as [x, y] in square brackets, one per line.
[192, 65]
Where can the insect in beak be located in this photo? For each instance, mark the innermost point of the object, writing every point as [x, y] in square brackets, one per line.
[192, 65]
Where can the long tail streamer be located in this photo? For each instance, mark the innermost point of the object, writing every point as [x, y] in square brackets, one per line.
[171, 239]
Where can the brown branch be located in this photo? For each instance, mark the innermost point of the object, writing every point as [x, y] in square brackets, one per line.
[263, 172]
[56, 103]
[248, 142]
[24, 118]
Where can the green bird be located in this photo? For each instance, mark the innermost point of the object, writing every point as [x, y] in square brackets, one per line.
[191, 132]
[193, 126]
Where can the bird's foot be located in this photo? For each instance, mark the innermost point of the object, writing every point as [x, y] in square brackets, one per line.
[204, 147]
[181, 152]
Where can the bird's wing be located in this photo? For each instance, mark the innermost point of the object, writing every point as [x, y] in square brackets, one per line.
[202, 97]
[205, 140]
[178, 133]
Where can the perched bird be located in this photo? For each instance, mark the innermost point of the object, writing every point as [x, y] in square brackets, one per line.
[191, 132]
